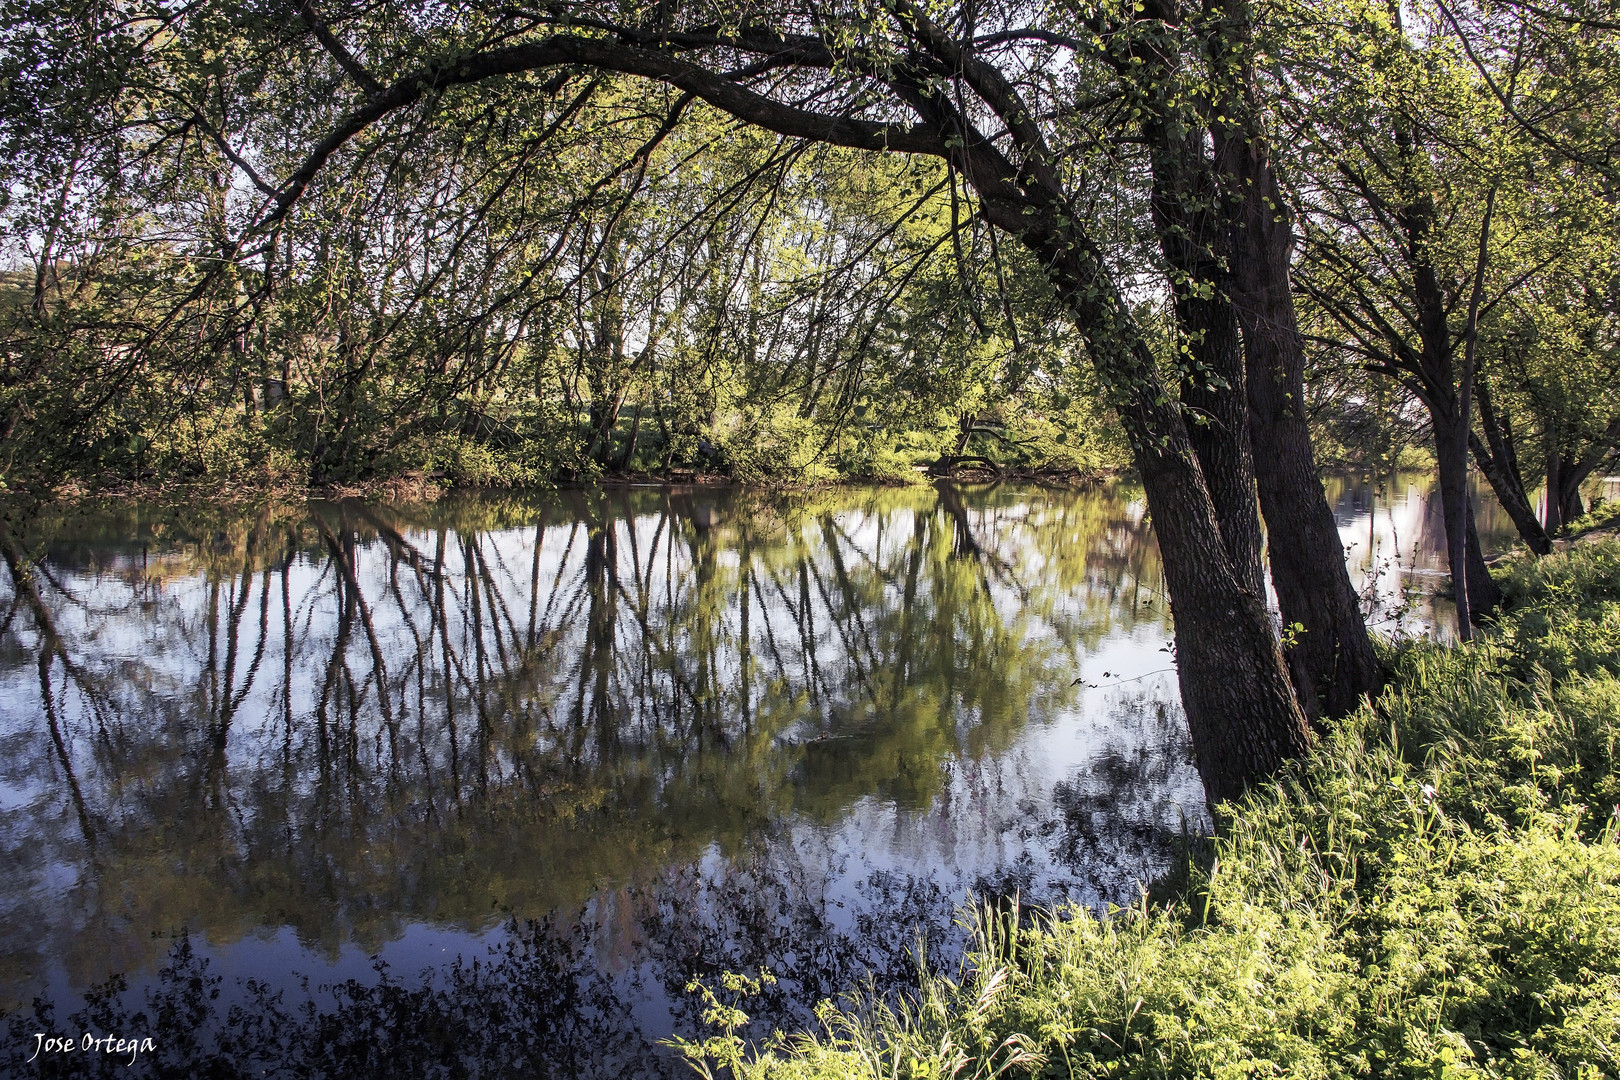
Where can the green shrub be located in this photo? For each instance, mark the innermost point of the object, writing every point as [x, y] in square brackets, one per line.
[762, 443]
[1603, 514]
[467, 463]
[1434, 893]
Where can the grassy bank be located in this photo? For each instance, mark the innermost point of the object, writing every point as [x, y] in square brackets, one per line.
[1435, 893]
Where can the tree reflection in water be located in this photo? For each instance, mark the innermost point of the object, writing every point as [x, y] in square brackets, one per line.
[605, 741]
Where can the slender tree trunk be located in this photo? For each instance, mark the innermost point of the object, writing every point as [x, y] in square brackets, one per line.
[606, 375]
[1451, 456]
[1483, 592]
[1498, 459]
[630, 443]
[1510, 492]
[1476, 593]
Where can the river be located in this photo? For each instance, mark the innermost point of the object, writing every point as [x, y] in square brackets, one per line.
[477, 787]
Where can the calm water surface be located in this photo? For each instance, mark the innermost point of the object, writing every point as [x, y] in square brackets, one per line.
[476, 788]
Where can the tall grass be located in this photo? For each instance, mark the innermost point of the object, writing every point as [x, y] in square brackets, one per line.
[1434, 893]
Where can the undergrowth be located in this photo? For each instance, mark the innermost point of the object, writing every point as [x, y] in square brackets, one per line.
[1602, 515]
[1434, 893]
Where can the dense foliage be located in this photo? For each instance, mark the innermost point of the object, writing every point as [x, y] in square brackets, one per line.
[560, 274]
[1434, 893]
[526, 281]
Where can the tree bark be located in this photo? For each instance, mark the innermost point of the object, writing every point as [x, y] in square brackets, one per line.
[1219, 433]
[1498, 459]
[1476, 593]
[1510, 492]
[1193, 238]
[1184, 193]
[1242, 713]
[1241, 710]
[1451, 458]
[1553, 515]
[1571, 506]
[1482, 590]
[1565, 477]
[1333, 662]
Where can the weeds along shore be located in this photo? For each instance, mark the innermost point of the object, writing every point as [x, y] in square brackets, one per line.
[1434, 892]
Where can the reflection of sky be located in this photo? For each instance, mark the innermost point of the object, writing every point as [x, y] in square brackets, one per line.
[1073, 575]
[1394, 538]
[1078, 788]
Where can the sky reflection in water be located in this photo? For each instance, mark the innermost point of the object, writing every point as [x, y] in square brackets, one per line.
[601, 741]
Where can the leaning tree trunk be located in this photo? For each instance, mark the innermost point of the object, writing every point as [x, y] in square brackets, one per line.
[1242, 714]
[1333, 662]
[1498, 458]
[1509, 489]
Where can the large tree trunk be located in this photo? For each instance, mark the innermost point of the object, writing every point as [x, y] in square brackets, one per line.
[1242, 714]
[1570, 505]
[1241, 710]
[1193, 242]
[1333, 662]
[1553, 512]
[1219, 433]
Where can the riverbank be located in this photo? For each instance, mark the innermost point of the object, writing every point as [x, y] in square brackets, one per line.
[418, 487]
[1435, 893]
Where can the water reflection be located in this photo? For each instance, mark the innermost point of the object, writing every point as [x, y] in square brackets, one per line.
[1393, 530]
[598, 742]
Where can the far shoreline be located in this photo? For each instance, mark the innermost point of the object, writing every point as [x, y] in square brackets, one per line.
[410, 488]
